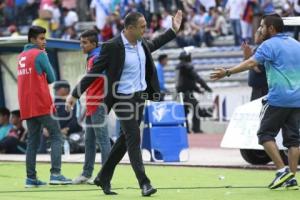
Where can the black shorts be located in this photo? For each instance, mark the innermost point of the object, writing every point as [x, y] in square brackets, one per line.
[273, 119]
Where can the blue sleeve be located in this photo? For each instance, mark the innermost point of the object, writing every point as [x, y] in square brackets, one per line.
[160, 76]
[43, 65]
[263, 53]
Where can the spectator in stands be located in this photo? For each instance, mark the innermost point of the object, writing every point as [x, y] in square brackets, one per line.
[187, 84]
[155, 26]
[246, 22]
[162, 62]
[14, 142]
[257, 76]
[209, 22]
[44, 20]
[96, 119]
[5, 126]
[197, 24]
[20, 12]
[233, 7]
[31, 11]
[9, 11]
[69, 33]
[100, 9]
[281, 107]
[117, 25]
[13, 30]
[107, 30]
[220, 26]
[70, 4]
[185, 37]
[70, 17]
[166, 21]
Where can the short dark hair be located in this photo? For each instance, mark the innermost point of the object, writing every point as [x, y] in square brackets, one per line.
[61, 84]
[132, 18]
[161, 57]
[34, 31]
[274, 20]
[16, 113]
[4, 112]
[91, 35]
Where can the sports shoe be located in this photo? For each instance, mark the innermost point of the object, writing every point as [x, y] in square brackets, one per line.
[82, 180]
[59, 180]
[291, 184]
[91, 181]
[281, 178]
[31, 183]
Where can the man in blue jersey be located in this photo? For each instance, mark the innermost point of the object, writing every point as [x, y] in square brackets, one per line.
[281, 108]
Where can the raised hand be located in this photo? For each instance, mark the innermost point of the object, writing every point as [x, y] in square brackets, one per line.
[176, 21]
[247, 51]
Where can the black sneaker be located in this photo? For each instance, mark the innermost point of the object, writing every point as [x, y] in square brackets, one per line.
[281, 178]
[291, 184]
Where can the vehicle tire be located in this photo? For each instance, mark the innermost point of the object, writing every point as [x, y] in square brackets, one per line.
[255, 157]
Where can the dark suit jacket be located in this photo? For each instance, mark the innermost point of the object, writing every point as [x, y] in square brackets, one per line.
[111, 60]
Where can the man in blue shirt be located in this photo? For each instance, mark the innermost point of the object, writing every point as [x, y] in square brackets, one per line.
[131, 79]
[162, 62]
[281, 108]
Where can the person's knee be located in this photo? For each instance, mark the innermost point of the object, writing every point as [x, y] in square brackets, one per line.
[263, 138]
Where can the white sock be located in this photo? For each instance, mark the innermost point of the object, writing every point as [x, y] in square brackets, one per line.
[282, 169]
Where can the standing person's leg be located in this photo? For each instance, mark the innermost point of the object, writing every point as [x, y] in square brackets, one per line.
[107, 170]
[34, 132]
[128, 114]
[56, 142]
[236, 29]
[90, 149]
[186, 110]
[99, 120]
[196, 115]
[272, 119]
[291, 137]
[244, 33]
[56, 150]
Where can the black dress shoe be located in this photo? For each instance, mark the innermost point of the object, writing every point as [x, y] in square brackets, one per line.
[105, 187]
[148, 190]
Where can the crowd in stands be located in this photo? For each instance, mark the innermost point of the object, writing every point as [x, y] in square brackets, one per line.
[204, 20]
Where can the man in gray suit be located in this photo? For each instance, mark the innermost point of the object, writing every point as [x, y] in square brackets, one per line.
[131, 79]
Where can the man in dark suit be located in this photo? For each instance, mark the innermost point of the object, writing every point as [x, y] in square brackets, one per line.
[131, 79]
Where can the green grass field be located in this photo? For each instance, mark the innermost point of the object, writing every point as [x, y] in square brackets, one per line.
[173, 183]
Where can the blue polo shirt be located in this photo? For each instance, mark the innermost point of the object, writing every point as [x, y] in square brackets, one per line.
[281, 57]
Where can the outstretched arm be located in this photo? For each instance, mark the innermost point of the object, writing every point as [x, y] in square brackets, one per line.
[98, 68]
[222, 72]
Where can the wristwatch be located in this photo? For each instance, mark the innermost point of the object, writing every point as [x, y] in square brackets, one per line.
[227, 72]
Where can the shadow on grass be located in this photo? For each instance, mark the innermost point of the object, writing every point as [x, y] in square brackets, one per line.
[37, 190]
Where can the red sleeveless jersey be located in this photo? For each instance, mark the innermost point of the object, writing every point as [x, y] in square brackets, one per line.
[33, 92]
[94, 93]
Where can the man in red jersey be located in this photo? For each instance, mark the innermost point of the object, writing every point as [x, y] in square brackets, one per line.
[96, 123]
[34, 74]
